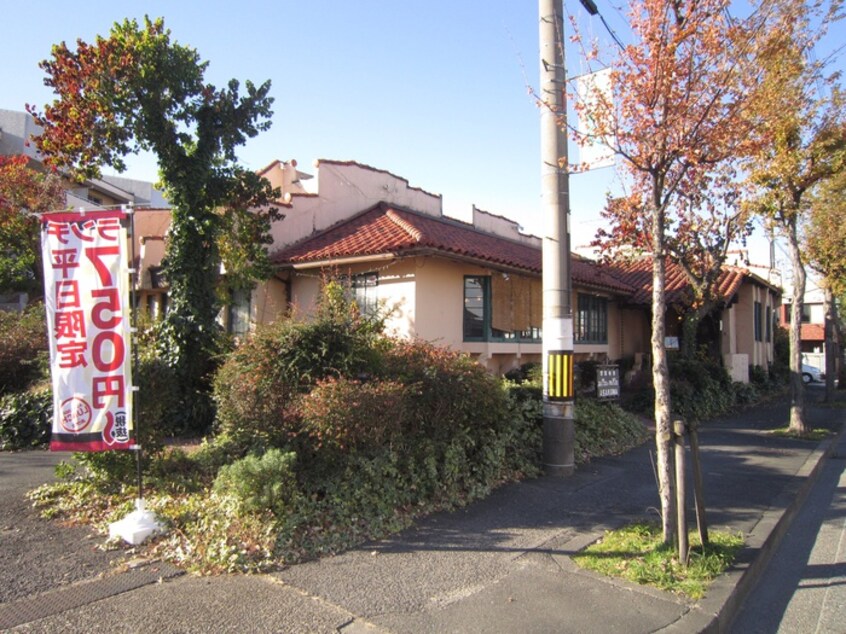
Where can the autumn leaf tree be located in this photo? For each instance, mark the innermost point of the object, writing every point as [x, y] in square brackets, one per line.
[800, 121]
[674, 116]
[25, 192]
[702, 227]
[825, 248]
[137, 89]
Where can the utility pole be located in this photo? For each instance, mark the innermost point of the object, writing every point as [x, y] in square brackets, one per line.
[558, 425]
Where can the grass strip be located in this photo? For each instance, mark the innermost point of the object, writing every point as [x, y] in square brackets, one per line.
[637, 553]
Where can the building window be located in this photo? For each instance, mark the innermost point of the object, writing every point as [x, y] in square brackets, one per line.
[475, 292]
[479, 311]
[769, 325]
[788, 313]
[365, 289]
[591, 320]
[238, 322]
[758, 317]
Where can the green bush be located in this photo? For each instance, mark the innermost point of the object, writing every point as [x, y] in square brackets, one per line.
[260, 483]
[446, 391]
[526, 373]
[26, 419]
[699, 389]
[257, 385]
[347, 414]
[23, 348]
[747, 393]
[605, 429]
[585, 376]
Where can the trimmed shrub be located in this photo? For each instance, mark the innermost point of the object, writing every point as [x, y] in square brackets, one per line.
[605, 429]
[23, 348]
[347, 414]
[257, 385]
[446, 391]
[25, 419]
[260, 483]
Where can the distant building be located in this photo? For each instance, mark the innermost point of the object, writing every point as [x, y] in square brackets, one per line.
[16, 131]
[812, 329]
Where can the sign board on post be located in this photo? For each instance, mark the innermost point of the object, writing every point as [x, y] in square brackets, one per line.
[86, 288]
[608, 382]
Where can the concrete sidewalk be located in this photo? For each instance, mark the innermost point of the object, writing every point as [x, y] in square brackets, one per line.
[500, 565]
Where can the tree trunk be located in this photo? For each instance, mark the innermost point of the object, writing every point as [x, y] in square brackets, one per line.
[661, 379]
[831, 344]
[690, 326]
[681, 492]
[797, 387]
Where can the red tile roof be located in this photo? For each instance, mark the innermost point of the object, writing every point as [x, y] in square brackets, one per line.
[812, 332]
[638, 274]
[385, 229]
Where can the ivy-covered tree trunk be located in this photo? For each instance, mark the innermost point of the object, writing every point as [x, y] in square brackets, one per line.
[137, 89]
[690, 328]
[189, 338]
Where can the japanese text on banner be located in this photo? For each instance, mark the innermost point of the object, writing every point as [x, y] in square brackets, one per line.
[86, 287]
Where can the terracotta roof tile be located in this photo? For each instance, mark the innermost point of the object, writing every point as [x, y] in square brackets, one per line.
[812, 332]
[638, 274]
[385, 229]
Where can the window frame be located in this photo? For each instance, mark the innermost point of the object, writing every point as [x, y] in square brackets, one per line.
[595, 307]
[359, 283]
[488, 334]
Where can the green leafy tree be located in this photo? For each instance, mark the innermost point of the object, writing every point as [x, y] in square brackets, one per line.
[825, 246]
[803, 134]
[139, 90]
[24, 193]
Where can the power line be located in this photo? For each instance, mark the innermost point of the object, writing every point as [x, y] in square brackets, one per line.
[612, 33]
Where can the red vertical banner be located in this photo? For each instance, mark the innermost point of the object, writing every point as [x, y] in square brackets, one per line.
[86, 288]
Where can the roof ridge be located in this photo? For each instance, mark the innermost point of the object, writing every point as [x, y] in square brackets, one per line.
[395, 216]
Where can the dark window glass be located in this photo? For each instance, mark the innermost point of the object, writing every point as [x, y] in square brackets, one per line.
[365, 291]
[591, 320]
[474, 307]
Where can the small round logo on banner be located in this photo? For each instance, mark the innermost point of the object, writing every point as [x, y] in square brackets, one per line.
[76, 415]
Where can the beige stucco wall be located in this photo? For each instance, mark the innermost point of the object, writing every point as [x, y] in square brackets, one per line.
[738, 322]
[339, 190]
[425, 298]
[268, 302]
[634, 332]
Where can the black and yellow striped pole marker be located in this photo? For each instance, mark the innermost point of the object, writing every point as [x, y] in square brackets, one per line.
[560, 375]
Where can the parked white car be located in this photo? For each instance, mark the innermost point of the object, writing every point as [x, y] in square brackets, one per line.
[810, 374]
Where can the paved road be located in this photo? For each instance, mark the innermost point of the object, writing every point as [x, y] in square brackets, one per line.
[499, 565]
[804, 586]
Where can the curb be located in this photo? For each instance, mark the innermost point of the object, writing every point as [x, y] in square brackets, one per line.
[715, 613]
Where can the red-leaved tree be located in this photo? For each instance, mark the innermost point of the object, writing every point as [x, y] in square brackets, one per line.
[25, 192]
[675, 116]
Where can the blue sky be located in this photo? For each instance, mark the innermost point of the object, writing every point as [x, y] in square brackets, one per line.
[434, 91]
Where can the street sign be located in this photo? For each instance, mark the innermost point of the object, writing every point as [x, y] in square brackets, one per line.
[608, 382]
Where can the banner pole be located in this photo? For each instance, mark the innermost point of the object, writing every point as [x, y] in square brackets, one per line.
[141, 523]
[134, 266]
